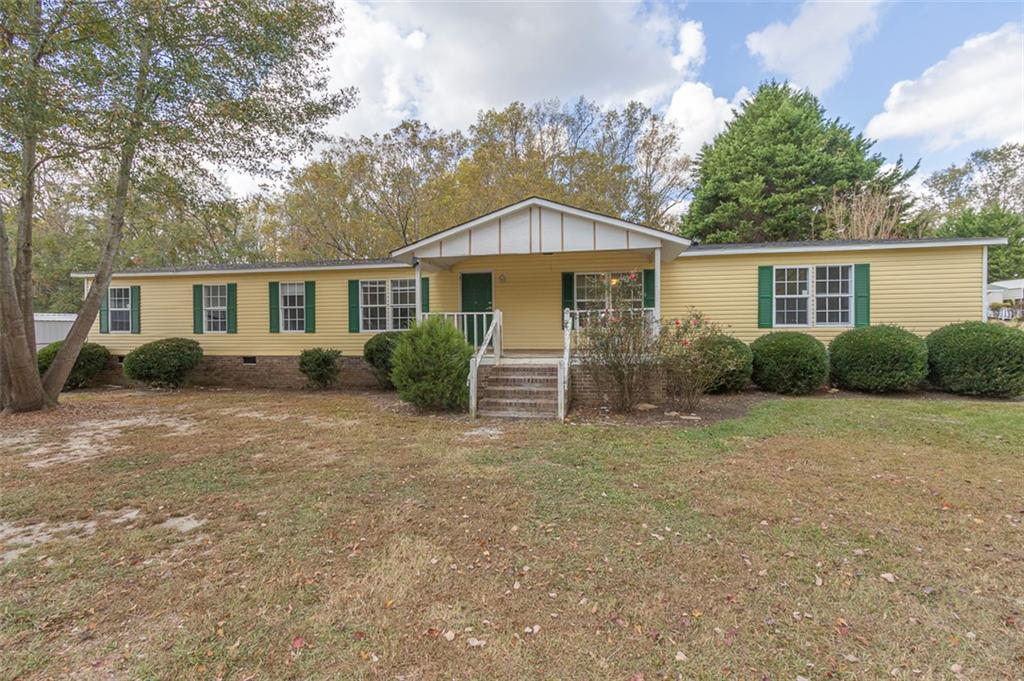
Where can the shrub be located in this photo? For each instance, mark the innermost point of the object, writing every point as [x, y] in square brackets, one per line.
[789, 363]
[163, 363]
[430, 365]
[878, 359]
[977, 358]
[92, 359]
[378, 352]
[693, 359]
[735, 365]
[320, 366]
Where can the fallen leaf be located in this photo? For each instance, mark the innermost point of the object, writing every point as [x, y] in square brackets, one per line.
[476, 643]
[681, 656]
[449, 635]
[298, 643]
[889, 577]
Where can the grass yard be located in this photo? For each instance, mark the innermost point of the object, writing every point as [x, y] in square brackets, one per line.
[262, 535]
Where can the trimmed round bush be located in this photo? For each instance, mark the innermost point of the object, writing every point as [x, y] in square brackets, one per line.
[789, 363]
[977, 358]
[430, 365]
[378, 352]
[878, 359]
[320, 366]
[92, 359]
[163, 363]
[739, 363]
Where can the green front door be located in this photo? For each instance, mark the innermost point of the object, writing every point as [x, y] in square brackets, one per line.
[477, 296]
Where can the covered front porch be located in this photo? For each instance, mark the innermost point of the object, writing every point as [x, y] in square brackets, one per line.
[519, 281]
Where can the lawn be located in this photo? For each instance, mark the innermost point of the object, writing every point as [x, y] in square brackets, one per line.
[263, 535]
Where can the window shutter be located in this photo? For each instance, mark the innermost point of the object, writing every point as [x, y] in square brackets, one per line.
[568, 290]
[136, 317]
[104, 312]
[232, 308]
[649, 291]
[310, 307]
[197, 308]
[425, 293]
[275, 307]
[764, 297]
[353, 306]
[862, 295]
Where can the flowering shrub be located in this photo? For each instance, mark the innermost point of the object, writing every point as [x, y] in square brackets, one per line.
[693, 359]
[619, 346]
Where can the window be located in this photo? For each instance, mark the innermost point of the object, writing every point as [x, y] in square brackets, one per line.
[824, 300]
[119, 309]
[792, 296]
[215, 308]
[387, 304]
[604, 290]
[293, 306]
[833, 295]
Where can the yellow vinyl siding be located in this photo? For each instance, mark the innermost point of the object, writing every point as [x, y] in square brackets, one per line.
[919, 289]
[530, 297]
[166, 311]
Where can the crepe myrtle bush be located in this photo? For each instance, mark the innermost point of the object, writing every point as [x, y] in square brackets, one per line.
[789, 363]
[163, 363]
[694, 358]
[977, 358]
[878, 359]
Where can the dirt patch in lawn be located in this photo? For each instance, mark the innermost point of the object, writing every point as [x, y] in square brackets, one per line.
[713, 408]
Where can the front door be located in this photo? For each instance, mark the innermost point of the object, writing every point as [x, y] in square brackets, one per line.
[477, 296]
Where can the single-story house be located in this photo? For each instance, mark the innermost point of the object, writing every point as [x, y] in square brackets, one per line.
[518, 281]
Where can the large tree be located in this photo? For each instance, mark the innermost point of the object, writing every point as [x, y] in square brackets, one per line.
[777, 164]
[159, 88]
[989, 177]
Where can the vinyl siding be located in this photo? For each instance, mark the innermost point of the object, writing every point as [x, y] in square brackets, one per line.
[166, 311]
[918, 289]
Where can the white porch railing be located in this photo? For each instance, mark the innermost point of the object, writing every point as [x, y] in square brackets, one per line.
[577, 319]
[474, 327]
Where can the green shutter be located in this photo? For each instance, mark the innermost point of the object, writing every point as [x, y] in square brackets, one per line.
[764, 297]
[649, 288]
[136, 317]
[104, 312]
[232, 308]
[425, 293]
[275, 307]
[197, 308]
[310, 307]
[862, 295]
[568, 290]
[353, 306]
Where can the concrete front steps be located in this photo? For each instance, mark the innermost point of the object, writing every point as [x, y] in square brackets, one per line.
[519, 391]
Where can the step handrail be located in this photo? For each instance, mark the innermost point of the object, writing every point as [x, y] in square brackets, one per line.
[474, 362]
[564, 369]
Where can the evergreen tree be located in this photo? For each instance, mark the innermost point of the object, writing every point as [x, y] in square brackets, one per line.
[770, 173]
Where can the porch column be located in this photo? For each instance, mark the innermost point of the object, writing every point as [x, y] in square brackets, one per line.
[419, 291]
[657, 285]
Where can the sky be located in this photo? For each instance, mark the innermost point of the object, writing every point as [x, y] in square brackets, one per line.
[930, 81]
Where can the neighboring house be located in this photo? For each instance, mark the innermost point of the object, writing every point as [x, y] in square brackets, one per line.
[52, 327]
[514, 271]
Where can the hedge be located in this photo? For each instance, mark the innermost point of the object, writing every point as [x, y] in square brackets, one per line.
[977, 358]
[92, 359]
[163, 363]
[878, 359]
[789, 363]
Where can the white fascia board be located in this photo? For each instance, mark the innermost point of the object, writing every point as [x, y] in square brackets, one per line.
[993, 241]
[255, 270]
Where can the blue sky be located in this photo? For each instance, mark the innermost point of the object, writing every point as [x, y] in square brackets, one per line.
[931, 81]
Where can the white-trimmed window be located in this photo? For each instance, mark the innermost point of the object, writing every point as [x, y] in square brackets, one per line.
[387, 304]
[599, 290]
[119, 309]
[215, 308]
[293, 306]
[833, 295]
[819, 295]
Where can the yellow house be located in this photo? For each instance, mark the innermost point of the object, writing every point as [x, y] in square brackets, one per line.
[518, 281]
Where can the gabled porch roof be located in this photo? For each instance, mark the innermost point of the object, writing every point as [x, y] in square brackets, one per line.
[537, 225]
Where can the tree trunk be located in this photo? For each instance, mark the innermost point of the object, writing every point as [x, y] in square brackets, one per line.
[62, 364]
[26, 390]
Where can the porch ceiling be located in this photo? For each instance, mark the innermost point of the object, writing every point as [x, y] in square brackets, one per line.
[537, 226]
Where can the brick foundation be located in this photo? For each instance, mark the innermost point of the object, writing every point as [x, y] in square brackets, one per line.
[585, 392]
[269, 371]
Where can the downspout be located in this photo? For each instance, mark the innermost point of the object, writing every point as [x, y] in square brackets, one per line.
[984, 284]
[419, 290]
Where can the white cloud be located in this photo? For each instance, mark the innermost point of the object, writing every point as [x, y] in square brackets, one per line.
[815, 49]
[701, 114]
[975, 94]
[443, 62]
